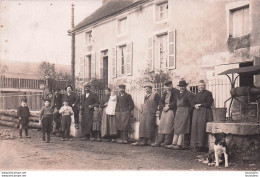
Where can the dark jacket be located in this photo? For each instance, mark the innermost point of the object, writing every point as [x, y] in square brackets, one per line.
[173, 100]
[91, 100]
[104, 100]
[57, 101]
[204, 98]
[124, 103]
[23, 112]
[73, 98]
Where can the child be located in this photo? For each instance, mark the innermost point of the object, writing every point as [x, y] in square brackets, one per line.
[46, 117]
[23, 113]
[110, 111]
[96, 124]
[66, 112]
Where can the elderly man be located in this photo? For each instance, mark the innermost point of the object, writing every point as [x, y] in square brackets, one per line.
[88, 101]
[124, 107]
[168, 108]
[73, 102]
[182, 118]
[148, 119]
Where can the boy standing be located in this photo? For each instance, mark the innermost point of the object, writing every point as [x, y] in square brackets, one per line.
[96, 124]
[46, 117]
[23, 113]
[66, 112]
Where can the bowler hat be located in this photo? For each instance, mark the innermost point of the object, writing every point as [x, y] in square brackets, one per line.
[87, 85]
[167, 83]
[182, 83]
[149, 86]
[121, 86]
[68, 86]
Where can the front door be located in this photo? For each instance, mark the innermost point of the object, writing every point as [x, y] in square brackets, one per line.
[105, 69]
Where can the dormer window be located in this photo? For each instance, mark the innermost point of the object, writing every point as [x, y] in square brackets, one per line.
[162, 11]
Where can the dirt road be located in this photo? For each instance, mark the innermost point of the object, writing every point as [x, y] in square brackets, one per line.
[32, 154]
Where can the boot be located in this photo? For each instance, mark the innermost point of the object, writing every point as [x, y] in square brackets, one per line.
[48, 137]
[63, 136]
[98, 136]
[20, 132]
[26, 133]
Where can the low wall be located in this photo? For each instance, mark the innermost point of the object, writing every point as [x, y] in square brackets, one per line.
[243, 139]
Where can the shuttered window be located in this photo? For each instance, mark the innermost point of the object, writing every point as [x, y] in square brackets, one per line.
[239, 22]
[93, 66]
[114, 62]
[129, 59]
[81, 69]
[172, 50]
[150, 61]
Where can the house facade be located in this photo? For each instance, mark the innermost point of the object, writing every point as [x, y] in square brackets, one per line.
[193, 39]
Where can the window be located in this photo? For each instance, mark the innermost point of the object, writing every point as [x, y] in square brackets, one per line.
[162, 47]
[162, 11]
[239, 22]
[88, 65]
[88, 38]
[194, 89]
[122, 58]
[122, 26]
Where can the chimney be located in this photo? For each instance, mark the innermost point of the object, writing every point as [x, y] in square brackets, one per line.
[72, 48]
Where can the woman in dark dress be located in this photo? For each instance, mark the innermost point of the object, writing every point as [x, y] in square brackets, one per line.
[201, 115]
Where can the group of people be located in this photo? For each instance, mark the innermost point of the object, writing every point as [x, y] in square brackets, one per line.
[181, 112]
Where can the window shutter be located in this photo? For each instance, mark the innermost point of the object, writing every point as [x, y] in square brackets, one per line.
[101, 65]
[172, 50]
[93, 65]
[114, 63]
[150, 53]
[118, 61]
[129, 59]
[81, 69]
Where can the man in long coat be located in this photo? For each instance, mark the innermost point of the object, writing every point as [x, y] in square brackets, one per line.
[148, 118]
[56, 105]
[73, 102]
[124, 107]
[88, 101]
[168, 108]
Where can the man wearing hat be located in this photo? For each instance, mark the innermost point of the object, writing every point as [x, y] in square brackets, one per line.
[148, 118]
[124, 106]
[182, 119]
[73, 102]
[88, 101]
[167, 107]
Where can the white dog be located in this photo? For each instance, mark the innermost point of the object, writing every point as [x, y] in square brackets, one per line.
[220, 152]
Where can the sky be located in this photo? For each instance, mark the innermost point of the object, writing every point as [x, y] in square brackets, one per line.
[36, 31]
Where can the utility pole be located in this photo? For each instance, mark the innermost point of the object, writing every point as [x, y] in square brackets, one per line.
[72, 48]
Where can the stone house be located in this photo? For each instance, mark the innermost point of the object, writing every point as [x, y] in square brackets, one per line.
[195, 40]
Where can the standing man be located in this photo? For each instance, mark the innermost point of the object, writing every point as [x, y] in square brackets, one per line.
[73, 102]
[57, 103]
[88, 101]
[148, 118]
[201, 115]
[124, 106]
[168, 108]
[185, 103]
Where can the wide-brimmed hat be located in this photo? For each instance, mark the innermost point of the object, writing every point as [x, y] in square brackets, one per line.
[182, 83]
[121, 86]
[68, 86]
[167, 83]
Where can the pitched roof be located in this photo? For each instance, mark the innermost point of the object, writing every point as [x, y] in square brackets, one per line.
[110, 8]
